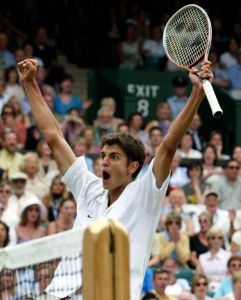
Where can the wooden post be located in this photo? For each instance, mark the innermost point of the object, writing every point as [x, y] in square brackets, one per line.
[106, 261]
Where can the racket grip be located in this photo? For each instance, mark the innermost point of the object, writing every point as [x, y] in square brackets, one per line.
[212, 99]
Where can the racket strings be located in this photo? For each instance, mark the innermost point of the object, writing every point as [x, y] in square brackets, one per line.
[187, 37]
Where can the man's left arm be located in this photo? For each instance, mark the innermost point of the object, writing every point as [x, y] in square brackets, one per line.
[168, 147]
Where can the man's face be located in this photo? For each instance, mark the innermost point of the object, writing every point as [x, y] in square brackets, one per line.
[160, 282]
[232, 170]
[116, 173]
[156, 137]
[10, 142]
[211, 203]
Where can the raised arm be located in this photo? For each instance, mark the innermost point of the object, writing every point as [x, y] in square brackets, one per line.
[167, 149]
[44, 118]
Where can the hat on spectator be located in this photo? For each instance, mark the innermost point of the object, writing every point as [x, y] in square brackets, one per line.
[32, 200]
[18, 175]
[179, 81]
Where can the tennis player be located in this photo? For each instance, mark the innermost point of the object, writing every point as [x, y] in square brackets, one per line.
[117, 195]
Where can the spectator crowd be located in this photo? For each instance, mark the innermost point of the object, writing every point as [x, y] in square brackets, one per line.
[196, 252]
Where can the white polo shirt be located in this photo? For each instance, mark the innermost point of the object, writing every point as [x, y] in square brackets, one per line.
[137, 208]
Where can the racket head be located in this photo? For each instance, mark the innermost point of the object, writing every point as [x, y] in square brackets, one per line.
[187, 36]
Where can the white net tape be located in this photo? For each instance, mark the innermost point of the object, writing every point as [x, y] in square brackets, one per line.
[47, 268]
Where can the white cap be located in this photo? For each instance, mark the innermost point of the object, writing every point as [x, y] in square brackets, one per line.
[31, 200]
[18, 175]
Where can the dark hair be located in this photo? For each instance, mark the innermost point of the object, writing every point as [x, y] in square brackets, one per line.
[8, 105]
[214, 151]
[173, 216]
[228, 162]
[132, 115]
[7, 233]
[132, 147]
[233, 258]
[155, 128]
[149, 296]
[194, 166]
[160, 271]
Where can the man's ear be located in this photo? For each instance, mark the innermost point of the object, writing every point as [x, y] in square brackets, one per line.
[133, 166]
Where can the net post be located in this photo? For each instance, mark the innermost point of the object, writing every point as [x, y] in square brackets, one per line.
[106, 261]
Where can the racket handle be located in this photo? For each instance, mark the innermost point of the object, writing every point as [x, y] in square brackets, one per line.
[212, 99]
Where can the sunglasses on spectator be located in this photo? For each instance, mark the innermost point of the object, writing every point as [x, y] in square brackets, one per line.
[10, 113]
[19, 181]
[233, 167]
[173, 222]
[201, 284]
[216, 237]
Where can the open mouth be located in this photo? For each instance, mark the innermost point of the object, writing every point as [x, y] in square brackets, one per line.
[105, 175]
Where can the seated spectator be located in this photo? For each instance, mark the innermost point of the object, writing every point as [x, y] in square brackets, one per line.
[171, 242]
[20, 116]
[36, 184]
[214, 262]
[65, 218]
[236, 154]
[72, 125]
[48, 55]
[195, 189]
[199, 241]
[32, 213]
[174, 203]
[79, 148]
[236, 288]
[5, 192]
[65, 99]
[147, 286]
[229, 58]
[8, 284]
[9, 122]
[234, 74]
[185, 148]
[216, 139]
[103, 123]
[200, 288]
[155, 138]
[160, 281]
[220, 217]
[7, 57]
[153, 50]
[97, 166]
[43, 274]
[197, 139]
[88, 134]
[178, 176]
[111, 104]
[226, 286]
[13, 88]
[10, 158]
[57, 192]
[163, 118]
[129, 49]
[221, 78]
[175, 285]
[228, 187]
[47, 165]
[179, 98]
[135, 124]
[211, 172]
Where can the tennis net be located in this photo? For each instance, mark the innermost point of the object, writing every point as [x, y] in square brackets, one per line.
[51, 267]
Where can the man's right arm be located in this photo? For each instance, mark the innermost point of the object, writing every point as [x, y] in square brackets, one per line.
[44, 118]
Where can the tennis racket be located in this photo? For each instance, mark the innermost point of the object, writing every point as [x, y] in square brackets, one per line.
[187, 39]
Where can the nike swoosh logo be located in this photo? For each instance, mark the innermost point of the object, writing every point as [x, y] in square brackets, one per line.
[89, 216]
